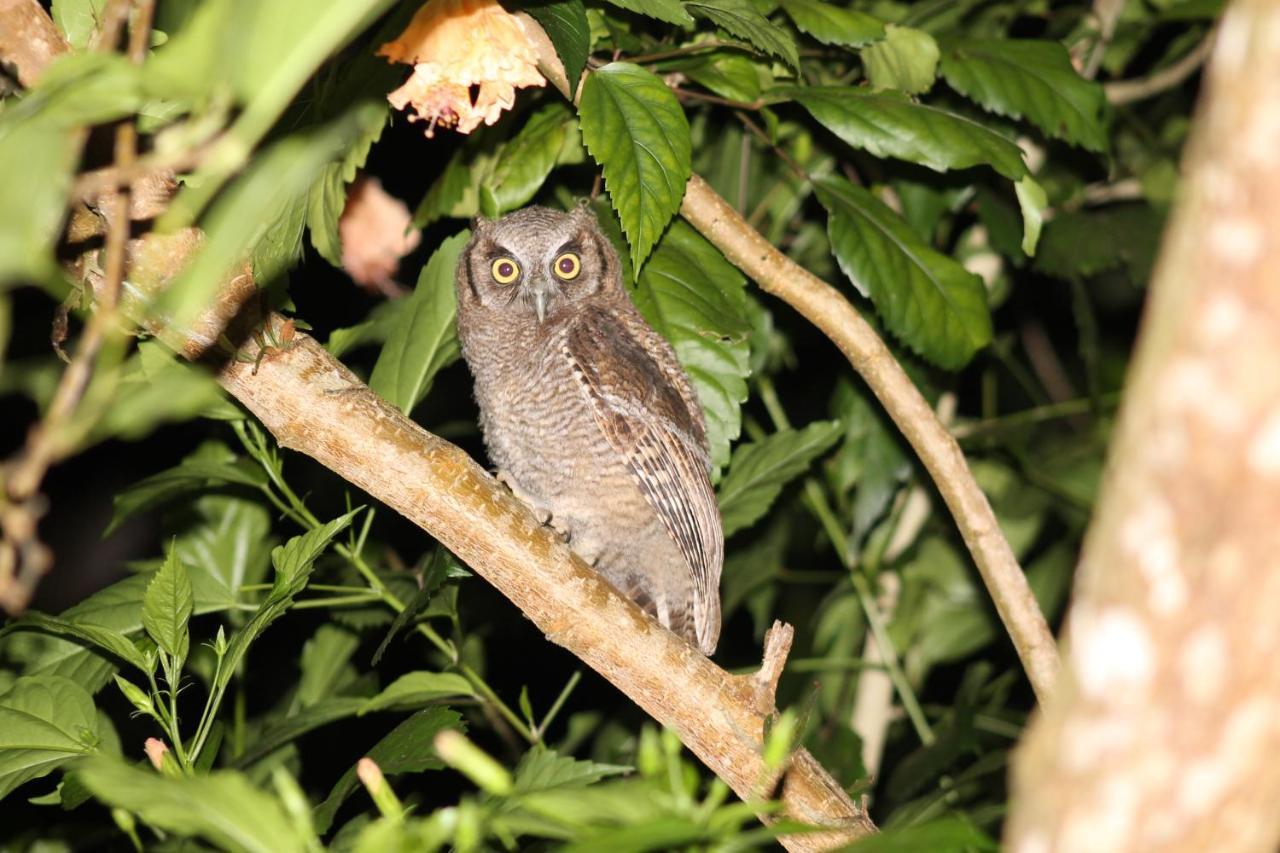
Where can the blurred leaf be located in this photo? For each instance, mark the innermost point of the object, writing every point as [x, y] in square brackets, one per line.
[78, 19]
[889, 124]
[210, 465]
[1087, 243]
[945, 835]
[729, 75]
[415, 689]
[636, 130]
[408, 748]
[282, 731]
[760, 469]
[456, 192]
[155, 387]
[906, 60]
[741, 18]
[524, 163]
[565, 23]
[325, 664]
[167, 606]
[926, 299]
[695, 299]
[225, 543]
[222, 807]
[45, 721]
[832, 24]
[425, 339]
[670, 11]
[375, 329]
[1034, 80]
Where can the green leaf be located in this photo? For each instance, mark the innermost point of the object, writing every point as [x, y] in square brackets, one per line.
[456, 193]
[287, 729]
[906, 60]
[1034, 202]
[524, 162]
[375, 329]
[225, 543]
[425, 339]
[636, 130]
[760, 469]
[1086, 243]
[78, 19]
[274, 189]
[695, 299]
[945, 835]
[543, 769]
[565, 23]
[415, 689]
[889, 124]
[222, 807]
[45, 721]
[831, 24]
[114, 642]
[325, 664]
[670, 11]
[926, 299]
[729, 75]
[742, 19]
[408, 748]
[211, 465]
[1034, 80]
[167, 607]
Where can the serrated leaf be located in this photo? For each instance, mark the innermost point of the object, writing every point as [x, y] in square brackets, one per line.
[425, 340]
[695, 299]
[565, 23]
[415, 689]
[409, 748]
[906, 60]
[664, 10]
[636, 130]
[113, 642]
[45, 721]
[167, 607]
[926, 299]
[760, 469]
[524, 163]
[1034, 80]
[742, 19]
[889, 124]
[222, 807]
[831, 24]
[543, 769]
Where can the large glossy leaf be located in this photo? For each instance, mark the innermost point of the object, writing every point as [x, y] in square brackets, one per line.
[223, 807]
[742, 19]
[833, 24]
[889, 124]
[565, 23]
[524, 162]
[670, 11]
[425, 339]
[695, 299]
[906, 60]
[167, 606]
[926, 299]
[636, 130]
[760, 469]
[407, 749]
[1030, 79]
[45, 721]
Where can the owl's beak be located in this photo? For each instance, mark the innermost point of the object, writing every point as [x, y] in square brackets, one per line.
[540, 304]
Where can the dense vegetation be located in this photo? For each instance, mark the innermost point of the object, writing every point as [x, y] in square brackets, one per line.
[962, 171]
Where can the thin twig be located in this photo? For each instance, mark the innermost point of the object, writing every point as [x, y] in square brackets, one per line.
[1127, 91]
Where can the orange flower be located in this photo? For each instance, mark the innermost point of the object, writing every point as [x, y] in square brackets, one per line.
[455, 45]
[376, 231]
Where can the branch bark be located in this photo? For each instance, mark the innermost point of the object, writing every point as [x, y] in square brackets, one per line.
[1164, 732]
[823, 306]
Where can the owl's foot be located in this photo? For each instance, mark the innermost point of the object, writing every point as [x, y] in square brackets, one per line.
[540, 510]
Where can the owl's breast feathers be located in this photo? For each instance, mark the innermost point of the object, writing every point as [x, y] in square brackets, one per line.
[641, 400]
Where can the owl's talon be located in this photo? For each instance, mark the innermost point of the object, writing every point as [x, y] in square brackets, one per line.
[540, 512]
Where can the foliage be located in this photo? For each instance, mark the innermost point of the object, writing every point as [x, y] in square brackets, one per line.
[945, 166]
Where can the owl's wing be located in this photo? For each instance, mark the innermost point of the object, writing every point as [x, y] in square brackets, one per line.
[640, 399]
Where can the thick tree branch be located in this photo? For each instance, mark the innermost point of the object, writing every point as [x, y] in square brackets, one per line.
[823, 306]
[1166, 727]
[28, 39]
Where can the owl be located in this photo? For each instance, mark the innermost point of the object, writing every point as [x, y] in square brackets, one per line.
[588, 416]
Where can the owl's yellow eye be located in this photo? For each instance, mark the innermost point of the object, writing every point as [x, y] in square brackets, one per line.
[505, 270]
[567, 266]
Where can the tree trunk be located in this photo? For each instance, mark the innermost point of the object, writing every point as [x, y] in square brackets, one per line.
[1165, 731]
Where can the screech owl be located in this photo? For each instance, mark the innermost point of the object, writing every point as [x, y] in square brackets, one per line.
[588, 416]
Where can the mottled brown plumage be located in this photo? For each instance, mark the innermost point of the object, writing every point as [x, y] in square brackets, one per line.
[587, 414]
